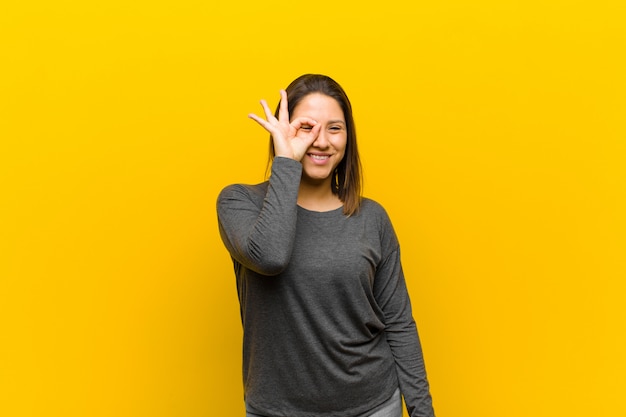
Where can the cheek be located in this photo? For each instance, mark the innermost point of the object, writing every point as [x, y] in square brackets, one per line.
[339, 143]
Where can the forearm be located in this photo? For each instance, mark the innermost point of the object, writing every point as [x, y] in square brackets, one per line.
[402, 336]
[407, 352]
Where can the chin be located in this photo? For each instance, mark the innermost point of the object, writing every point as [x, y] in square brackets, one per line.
[313, 171]
[316, 177]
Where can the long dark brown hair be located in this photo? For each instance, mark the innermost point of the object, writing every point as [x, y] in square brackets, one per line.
[346, 181]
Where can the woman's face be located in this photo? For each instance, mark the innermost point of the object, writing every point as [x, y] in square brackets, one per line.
[327, 151]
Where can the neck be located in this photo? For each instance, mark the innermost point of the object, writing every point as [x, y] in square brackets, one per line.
[318, 197]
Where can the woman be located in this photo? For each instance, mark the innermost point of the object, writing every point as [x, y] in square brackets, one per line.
[328, 329]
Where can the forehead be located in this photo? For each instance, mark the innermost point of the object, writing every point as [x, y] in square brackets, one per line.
[319, 105]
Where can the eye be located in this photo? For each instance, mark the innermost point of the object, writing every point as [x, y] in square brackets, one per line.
[336, 128]
[306, 127]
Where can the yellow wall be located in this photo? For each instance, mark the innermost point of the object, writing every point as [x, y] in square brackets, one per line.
[492, 131]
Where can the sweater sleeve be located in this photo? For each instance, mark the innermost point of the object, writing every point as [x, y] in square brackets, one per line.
[259, 233]
[401, 331]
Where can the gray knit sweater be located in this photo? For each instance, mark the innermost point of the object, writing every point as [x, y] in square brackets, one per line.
[328, 329]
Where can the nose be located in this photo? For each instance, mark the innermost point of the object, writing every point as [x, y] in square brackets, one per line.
[321, 141]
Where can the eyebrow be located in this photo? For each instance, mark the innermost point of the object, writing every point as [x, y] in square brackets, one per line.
[336, 121]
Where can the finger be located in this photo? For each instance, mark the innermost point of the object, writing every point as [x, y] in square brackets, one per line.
[309, 137]
[314, 133]
[260, 121]
[266, 109]
[283, 109]
[309, 134]
[298, 122]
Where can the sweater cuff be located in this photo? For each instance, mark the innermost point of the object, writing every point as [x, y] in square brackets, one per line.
[283, 164]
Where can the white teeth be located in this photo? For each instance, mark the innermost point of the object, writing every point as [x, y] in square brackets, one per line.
[319, 157]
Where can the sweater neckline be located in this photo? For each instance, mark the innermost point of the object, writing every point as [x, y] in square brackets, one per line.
[332, 212]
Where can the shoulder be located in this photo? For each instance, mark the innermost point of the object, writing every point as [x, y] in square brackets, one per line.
[243, 192]
[373, 210]
[375, 218]
[374, 214]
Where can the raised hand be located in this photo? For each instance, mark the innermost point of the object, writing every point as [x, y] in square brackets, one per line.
[291, 138]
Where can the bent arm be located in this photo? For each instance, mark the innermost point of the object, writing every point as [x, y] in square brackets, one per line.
[259, 232]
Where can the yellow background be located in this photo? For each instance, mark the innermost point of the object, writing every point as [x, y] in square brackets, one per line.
[492, 131]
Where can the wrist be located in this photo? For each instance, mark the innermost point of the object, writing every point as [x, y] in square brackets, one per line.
[286, 157]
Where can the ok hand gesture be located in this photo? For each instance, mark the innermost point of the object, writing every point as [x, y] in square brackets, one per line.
[291, 139]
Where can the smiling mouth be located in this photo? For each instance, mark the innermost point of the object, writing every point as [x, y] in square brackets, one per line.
[319, 157]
